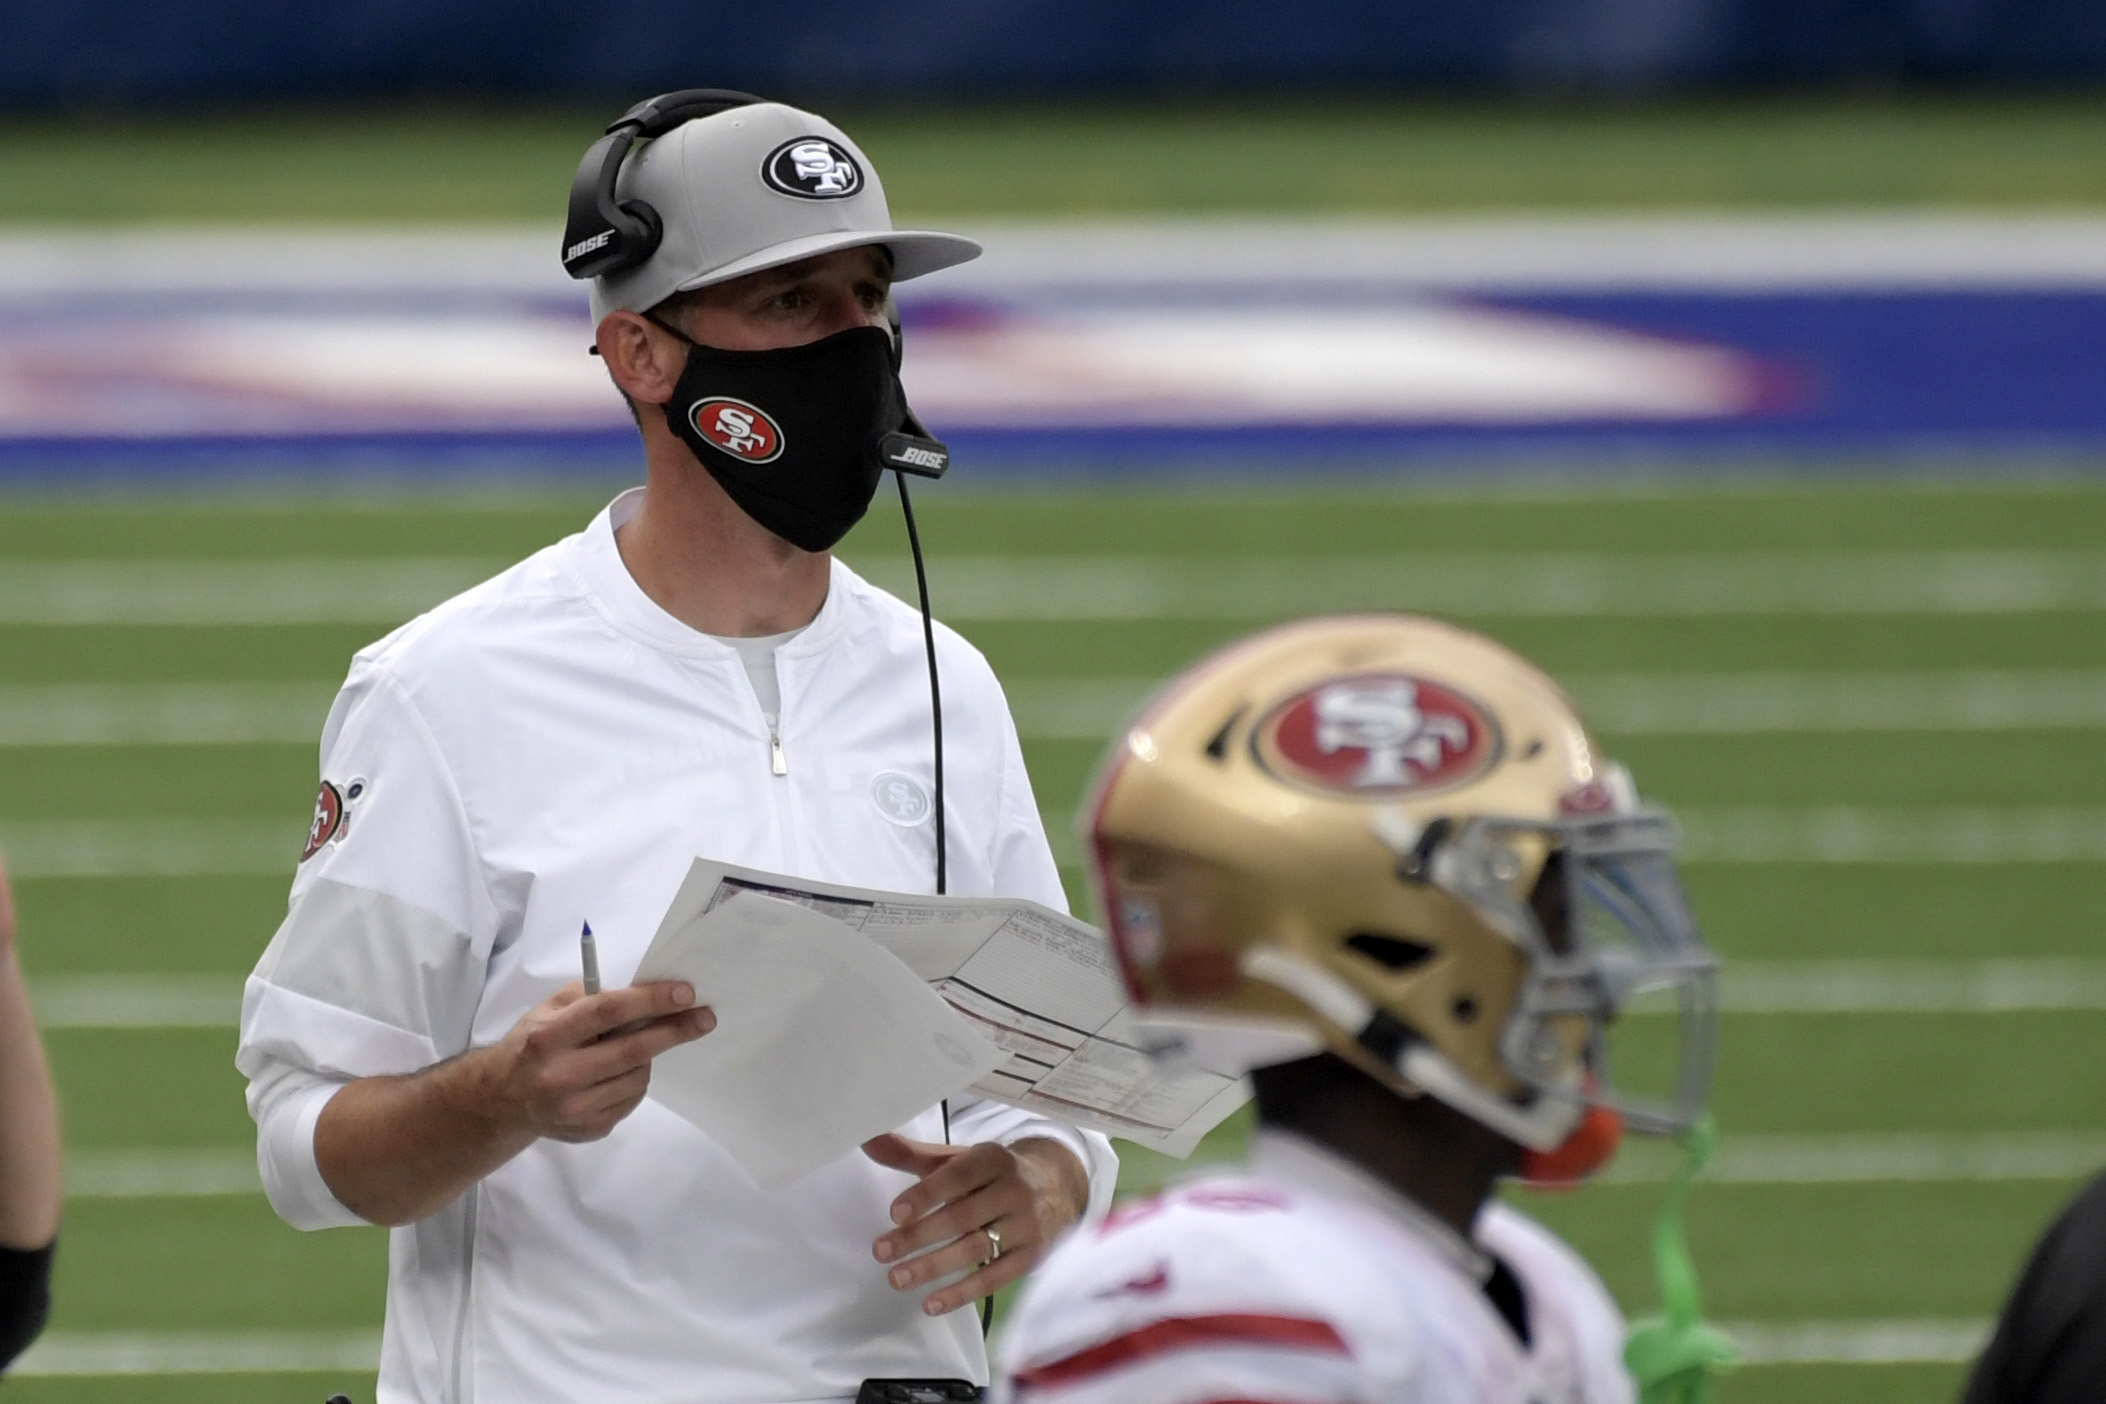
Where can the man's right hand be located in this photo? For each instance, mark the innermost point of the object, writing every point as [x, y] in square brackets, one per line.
[397, 1149]
[579, 1063]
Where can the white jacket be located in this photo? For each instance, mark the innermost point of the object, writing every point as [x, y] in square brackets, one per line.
[551, 748]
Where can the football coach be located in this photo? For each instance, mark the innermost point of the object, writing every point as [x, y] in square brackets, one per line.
[692, 674]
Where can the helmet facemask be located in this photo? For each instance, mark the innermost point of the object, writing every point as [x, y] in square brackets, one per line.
[1607, 932]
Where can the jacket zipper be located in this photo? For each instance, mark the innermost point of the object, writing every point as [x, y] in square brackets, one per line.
[777, 762]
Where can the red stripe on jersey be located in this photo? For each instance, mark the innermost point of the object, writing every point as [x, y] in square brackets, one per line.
[1186, 1333]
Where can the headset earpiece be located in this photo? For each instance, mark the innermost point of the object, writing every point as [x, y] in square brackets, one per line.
[601, 235]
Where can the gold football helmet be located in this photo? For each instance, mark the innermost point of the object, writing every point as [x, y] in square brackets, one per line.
[1391, 837]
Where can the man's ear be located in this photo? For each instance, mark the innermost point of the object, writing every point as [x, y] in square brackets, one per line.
[644, 360]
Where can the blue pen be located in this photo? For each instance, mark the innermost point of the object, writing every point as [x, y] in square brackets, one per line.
[589, 955]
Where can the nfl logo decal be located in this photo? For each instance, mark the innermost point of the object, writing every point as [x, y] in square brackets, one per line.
[744, 431]
[812, 168]
[1379, 735]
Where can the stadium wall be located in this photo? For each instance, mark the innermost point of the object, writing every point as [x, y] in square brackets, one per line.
[144, 53]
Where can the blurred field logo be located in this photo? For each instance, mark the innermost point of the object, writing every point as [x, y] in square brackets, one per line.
[332, 815]
[813, 168]
[1382, 735]
[744, 431]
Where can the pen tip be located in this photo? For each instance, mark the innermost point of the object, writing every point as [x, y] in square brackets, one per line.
[588, 929]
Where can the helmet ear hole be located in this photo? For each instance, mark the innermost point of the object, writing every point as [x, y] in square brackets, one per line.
[1390, 952]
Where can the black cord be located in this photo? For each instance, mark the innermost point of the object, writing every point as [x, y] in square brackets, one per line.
[928, 637]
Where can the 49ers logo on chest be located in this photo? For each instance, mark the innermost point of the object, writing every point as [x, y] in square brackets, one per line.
[1378, 735]
[740, 429]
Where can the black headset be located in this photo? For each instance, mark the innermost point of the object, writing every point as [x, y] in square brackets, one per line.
[601, 236]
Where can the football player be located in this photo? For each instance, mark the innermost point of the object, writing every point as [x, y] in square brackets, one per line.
[1378, 863]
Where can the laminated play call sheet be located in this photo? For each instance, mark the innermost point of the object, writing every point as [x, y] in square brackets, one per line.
[1029, 1011]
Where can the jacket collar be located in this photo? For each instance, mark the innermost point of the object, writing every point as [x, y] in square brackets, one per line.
[596, 563]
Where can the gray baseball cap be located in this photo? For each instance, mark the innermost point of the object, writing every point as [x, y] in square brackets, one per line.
[757, 187]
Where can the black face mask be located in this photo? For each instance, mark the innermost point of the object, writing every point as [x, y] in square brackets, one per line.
[798, 437]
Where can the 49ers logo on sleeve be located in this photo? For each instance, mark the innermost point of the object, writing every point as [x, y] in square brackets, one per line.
[1377, 735]
[742, 430]
[332, 815]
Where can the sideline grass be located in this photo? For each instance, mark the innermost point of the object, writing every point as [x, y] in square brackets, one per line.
[1268, 155]
[1769, 1253]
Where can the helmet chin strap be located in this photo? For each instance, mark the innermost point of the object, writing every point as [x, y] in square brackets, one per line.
[1541, 1127]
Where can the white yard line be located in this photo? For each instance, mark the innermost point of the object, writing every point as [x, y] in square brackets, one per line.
[1874, 1158]
[1753, 1159]
[1841, 834]
[1857, 834]
[1904, 1342]
[199, 1353]
[151, 848]
[360, 590]
[164, 714]
[370, 591]
[1756, 987]
[1891, 1342]
[1682, 704]
[1913, 986]
[1093, 709]
[162, 1174]
[1541, 249]
[137, 1001]
[1517, 584]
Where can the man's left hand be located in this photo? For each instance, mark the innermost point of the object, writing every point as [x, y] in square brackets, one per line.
[968, 1198]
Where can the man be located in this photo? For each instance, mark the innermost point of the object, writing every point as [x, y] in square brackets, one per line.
[692, 675]
[1378, 862]
[29, 1155]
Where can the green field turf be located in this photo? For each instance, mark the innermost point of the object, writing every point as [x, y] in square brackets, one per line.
[1923, 1249]
[1269, 154]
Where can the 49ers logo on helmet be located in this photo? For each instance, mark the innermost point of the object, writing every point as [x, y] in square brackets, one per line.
[740, 429]
[1377, 735]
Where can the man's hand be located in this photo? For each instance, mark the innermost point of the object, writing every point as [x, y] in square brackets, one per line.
[397, 1149]
[1025, 1193]
[578, 1063]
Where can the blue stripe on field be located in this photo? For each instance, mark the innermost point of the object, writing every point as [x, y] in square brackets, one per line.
[1858, 375]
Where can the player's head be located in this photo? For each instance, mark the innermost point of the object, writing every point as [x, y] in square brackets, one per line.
[1392, 839]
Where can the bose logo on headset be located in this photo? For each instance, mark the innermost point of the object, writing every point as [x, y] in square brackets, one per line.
[586, 246]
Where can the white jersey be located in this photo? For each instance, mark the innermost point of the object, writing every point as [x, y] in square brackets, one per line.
[549, 749]
[1307, 1282]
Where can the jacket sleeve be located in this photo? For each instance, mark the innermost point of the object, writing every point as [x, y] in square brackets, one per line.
[379, 964]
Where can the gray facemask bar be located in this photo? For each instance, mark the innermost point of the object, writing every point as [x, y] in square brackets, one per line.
[1627, 931]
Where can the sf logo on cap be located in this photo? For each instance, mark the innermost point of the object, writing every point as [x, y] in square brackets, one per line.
[740, 429]
[812, 168]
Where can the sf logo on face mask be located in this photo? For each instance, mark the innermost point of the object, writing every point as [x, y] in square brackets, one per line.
[812, 168]
[740, 429]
